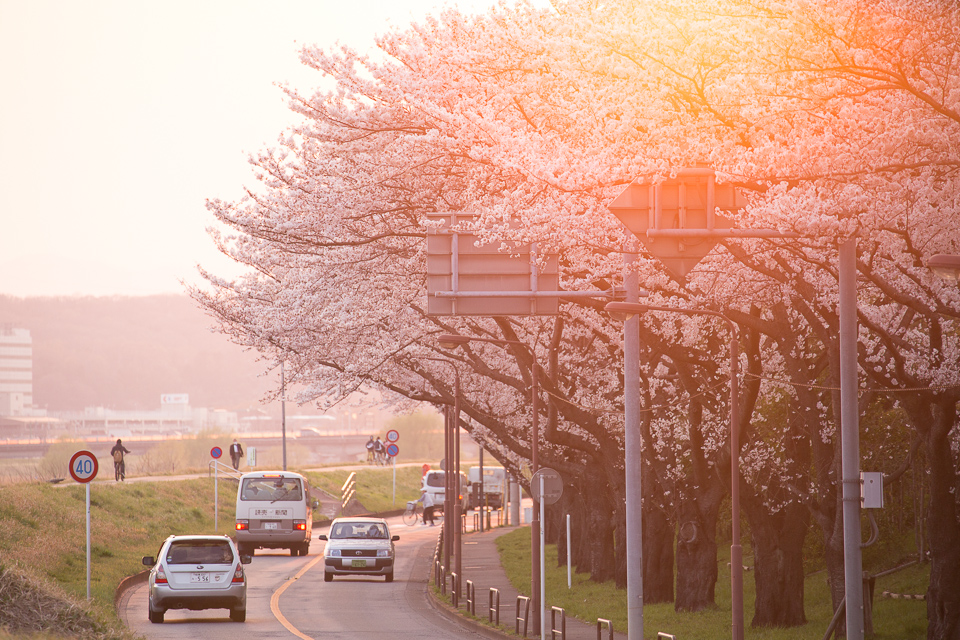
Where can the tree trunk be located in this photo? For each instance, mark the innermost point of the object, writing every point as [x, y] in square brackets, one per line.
[620, 537]
[594, 551]
[943, 594]
[833, 556]
[935, 416]
[697, 550]
[657, 557]
[777, 540]
[778, 525]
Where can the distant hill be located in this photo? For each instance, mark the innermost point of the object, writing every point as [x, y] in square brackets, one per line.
[124, 352]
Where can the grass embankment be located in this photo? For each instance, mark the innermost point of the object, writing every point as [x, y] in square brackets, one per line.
[43, 542]
[375, 488]
[586, 600]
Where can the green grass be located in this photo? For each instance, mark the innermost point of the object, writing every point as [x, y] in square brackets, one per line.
[586, 600]
[375, 486]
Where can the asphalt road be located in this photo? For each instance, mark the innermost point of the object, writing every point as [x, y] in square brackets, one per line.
[287, 596]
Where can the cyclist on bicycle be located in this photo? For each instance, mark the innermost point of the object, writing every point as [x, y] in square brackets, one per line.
[426, 499]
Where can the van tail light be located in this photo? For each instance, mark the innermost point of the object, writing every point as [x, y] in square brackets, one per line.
[243, 525]
[161, 576]
[300, 525]
[238, 574]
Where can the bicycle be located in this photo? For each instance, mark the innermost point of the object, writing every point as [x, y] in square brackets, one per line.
[413, 513]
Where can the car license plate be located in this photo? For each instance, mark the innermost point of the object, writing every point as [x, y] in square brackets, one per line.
[359, 562]
[199, 577]
[270, 525]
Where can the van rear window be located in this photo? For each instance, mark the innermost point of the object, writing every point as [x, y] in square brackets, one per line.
[435, 480]
[271, 489]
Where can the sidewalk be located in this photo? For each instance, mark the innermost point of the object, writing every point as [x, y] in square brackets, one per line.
[481, 565]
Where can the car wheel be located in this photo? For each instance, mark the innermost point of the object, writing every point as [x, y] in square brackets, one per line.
[328, 577]
[156, 617]
[389, 577]
[238, 615]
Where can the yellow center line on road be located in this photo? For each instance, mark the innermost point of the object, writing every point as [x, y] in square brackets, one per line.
[275, 600]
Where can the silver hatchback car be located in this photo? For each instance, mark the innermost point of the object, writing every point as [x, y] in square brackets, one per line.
[197, 572]
[358, 546]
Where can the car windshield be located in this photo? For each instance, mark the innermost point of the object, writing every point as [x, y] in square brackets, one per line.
[271, 489]
[356, 530]
[199, 552]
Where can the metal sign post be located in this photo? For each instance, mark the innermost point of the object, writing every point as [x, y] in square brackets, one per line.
[546, 487]
[215, 453]
[83, 469]
[677, 221]
[392, 450]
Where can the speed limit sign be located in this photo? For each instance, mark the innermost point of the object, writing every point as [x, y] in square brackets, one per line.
[83, 466]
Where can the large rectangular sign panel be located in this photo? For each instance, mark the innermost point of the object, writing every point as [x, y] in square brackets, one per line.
[465, 277]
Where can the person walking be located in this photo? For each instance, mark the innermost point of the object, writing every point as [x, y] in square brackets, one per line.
[378, 451]
[236, 452]
[119, 466]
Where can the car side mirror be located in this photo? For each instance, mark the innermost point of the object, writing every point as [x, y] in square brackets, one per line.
[246, 559]
[395, 538]
[147, 561]
[315, 504]
[322, 536]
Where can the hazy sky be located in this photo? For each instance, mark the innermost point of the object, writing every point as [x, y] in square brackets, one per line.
[118, 118]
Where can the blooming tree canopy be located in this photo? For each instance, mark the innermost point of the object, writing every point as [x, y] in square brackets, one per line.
[836, 119]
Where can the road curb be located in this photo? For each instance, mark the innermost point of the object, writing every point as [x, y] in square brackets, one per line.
[125, 585]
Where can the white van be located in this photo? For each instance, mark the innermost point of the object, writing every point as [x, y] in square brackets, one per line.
[274, 511]
[433, 483]
[494, 485]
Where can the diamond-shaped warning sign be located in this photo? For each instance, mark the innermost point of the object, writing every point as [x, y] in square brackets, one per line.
[689, 202]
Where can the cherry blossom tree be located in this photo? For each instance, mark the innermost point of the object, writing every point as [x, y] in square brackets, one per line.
[837, 120]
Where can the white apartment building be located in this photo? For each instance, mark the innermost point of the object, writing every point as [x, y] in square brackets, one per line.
[16, 372]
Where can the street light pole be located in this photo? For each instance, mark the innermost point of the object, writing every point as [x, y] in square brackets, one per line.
[448, 341]
[283, 415]
[451, 498]
[850, 440]
[736, 551]
[633, 457]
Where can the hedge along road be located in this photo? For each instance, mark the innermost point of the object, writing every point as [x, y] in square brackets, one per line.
[287, 595]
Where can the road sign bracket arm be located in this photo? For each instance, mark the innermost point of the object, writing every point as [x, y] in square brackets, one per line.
[721, 233]
[528, 294]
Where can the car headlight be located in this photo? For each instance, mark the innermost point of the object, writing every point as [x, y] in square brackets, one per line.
[333, 552]
[383, 553]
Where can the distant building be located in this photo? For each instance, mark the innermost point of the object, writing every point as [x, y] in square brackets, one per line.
[171, 418]
[16, 372]
[18, 417]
